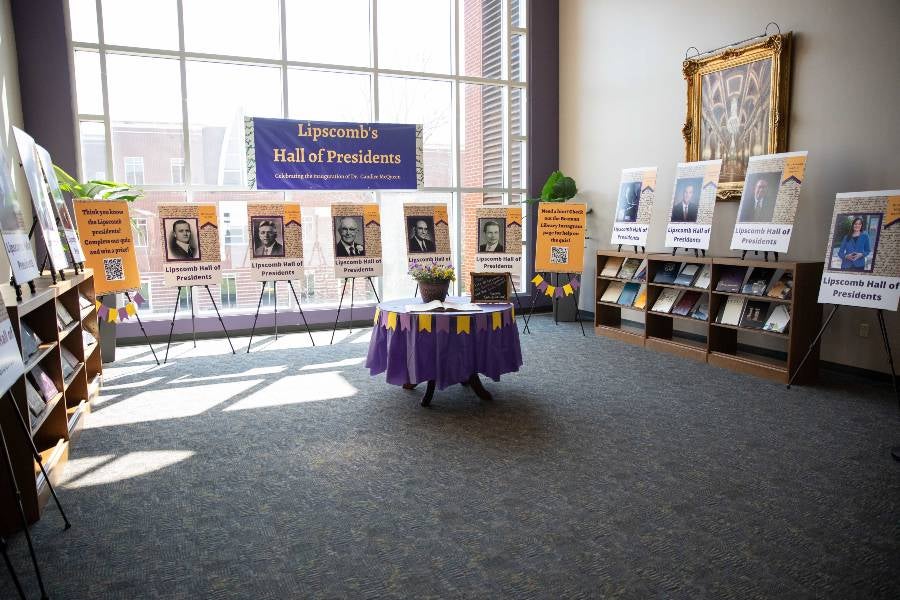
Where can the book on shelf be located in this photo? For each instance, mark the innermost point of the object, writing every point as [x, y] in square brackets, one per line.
[36, 404]
[69, 362]
[641, 300]
[629, 293]
[667, 273]
[758, 282]
[687, 274]
[641, 274]
[731, 279]
[43, 383]
[87, 338]
[701, 309]
[703, 278]
[612, 292]
[63, 316]
[665, 301]
[779, 319]
[612, 266]
[84, 302]
[730, 312]
[782, 287]
[30, 341]
[438, 306]
[629, 268]
[687, 301]
[754, 314]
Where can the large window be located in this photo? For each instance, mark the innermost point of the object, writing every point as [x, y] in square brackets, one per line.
[162, 105]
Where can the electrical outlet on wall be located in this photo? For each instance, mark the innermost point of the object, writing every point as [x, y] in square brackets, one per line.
[863, 330]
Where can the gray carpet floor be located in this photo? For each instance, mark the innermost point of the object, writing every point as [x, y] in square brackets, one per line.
[600, 470]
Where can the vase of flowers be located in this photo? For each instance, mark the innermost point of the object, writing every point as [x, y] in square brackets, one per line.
[434, 280]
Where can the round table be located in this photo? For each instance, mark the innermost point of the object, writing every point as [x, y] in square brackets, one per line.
[443, 348]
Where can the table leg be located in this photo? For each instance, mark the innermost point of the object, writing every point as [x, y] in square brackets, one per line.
[429, 393]
[479, 390]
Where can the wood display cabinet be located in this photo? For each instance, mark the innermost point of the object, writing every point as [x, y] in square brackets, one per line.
[61, 420]
[755, 351]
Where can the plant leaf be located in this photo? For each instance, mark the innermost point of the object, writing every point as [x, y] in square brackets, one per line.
[547, 190]
[564, 189]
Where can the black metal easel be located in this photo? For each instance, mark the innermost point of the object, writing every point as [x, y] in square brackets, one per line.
[26, 431]
[756, 252]
[141, 324]
[696, 254]
[18, 287]
[62, 275]
[643, 249]
[275, 293]
[536, 294]
[190, 289]
[343, 290]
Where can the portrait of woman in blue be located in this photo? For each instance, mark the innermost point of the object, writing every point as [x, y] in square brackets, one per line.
[855, 247]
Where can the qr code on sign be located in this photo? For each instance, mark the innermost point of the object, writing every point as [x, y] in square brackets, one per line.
[559, 255]
[114, 269]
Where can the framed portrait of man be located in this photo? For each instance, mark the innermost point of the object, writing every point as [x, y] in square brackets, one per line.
[738, 107]
[759, 198]
[491, 234]
[349, 236]
[268, 236]
[629, 201]
[420, 234]
[686, 200]
[181, 238]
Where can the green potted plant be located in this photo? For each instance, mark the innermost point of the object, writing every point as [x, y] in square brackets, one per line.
[557, 188]
[434, 280]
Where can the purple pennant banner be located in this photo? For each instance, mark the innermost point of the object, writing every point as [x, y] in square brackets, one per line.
[103, 312]
[138, 298]
[481, 322]
[575, 283]
[558, 292]
[443, 323]
[404, 321]
[506, 316]
[123, 314]
[543, 286]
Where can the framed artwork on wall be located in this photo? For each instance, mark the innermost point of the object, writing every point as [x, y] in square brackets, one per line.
[738, 103]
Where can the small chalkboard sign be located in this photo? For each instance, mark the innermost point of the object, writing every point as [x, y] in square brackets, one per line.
[490, 288]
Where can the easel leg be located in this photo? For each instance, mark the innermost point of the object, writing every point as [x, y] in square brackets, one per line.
[338, 315]
[9, 567]
[555, 302]
[193, 323]
[887, 347]
[300, 308]
[275, 293]
[256, 316]
[534, 297]
[172, 326]
[37, 456]
[577, 310]
[138, 317]
[374, 291]
[813, 345]
[15, 489]
[352, 286]
[518, 302]
[213, 300]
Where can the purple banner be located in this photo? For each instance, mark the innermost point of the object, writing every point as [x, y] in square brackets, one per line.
[284, 154]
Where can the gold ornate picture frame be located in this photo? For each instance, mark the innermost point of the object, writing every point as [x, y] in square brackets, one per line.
[738, 103]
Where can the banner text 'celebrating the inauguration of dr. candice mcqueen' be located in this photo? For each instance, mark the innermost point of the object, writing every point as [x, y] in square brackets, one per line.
[284, 154]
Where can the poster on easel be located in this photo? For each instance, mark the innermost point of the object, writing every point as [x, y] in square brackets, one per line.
[862, 256]
[356, 231]
[106, 229]
[769, 201]
[276, 242]
[63, 218]
[693, 202]
[560, 237]
[498, 238]
[427, 228]
[637, 190]
[190, 239]
[40, 197]
[13, 230]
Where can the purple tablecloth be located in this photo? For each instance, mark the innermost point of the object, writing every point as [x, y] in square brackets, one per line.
[404, 348]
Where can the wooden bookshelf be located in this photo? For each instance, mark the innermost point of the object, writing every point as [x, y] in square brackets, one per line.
[55, 429]
[768, 354]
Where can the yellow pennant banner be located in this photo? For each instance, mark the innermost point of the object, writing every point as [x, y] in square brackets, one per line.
[463, 324]
[377, 314]
[391, 320]
[550, 289]
[425, 323]
[496, 319]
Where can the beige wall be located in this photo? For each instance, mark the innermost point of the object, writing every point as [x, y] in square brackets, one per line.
[10, 114]
[622, 104]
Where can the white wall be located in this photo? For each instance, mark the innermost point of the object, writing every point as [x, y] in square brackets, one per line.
[622, 104]
[10, 114]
